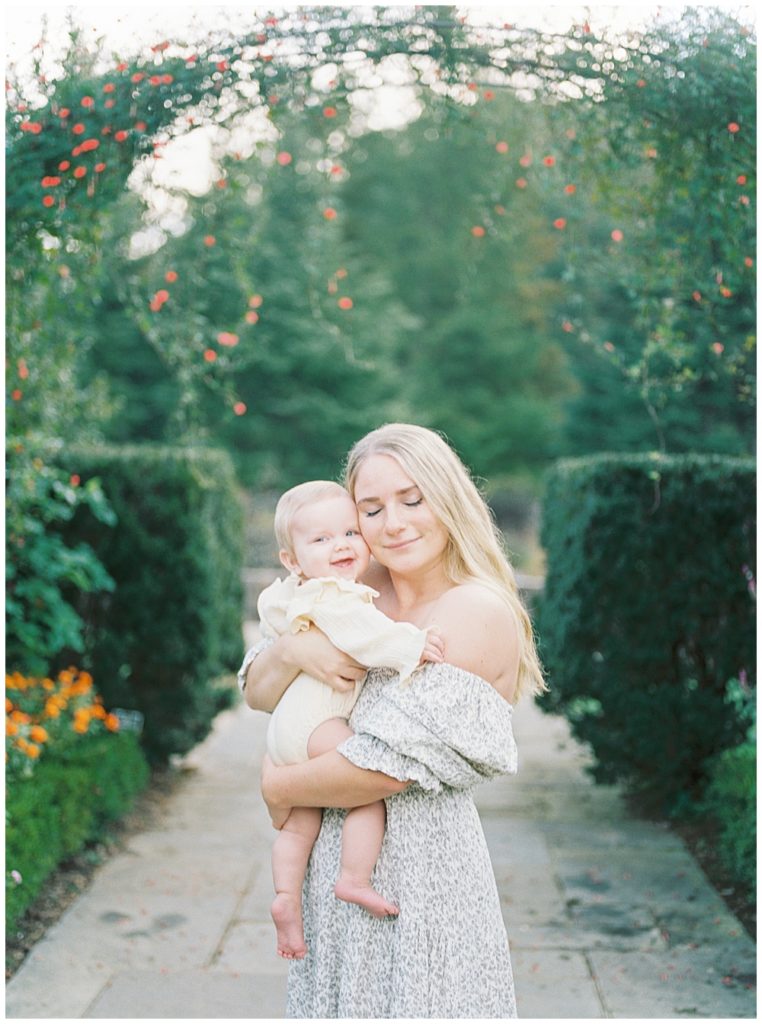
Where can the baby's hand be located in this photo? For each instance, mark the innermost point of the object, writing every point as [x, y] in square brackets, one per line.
[433, 649]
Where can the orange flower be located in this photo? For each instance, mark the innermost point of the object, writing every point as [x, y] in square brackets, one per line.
[617, 235]
[11, 729]
[239, 408]
[170, 276]
[570, 189]
[38, 734]
[210, 355]
[251, 317]
[78, 129]
[64, 165]
[559, 223]
[255, 301]
[549, 161]
[138, 76]
[48, 201]
[284, 158]
[502, 147]
[52, 709]
[521, 183]
[8, 705]
[733, 127]
[120, 136]
[80, 172]
[329, 213]
[345, 303]
[109, 87]
[478, 231]
[209, 240]
[87, 101]
[112, 723]
[20, 717]
[32, 750]
[329, 111]
[227, 338]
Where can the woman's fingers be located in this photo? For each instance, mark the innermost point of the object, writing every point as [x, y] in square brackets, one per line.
[315, 654]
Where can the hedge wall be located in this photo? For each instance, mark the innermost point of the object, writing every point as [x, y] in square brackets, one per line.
[63, 804]
[173, 622]
[648, 611]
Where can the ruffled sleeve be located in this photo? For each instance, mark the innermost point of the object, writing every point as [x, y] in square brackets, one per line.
[447, 728]
[249, 657]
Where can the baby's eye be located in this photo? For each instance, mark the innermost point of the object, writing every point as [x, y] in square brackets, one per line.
[352, 533]
[319, 540]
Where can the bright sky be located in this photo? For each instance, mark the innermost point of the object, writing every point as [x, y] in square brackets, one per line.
[123, 25]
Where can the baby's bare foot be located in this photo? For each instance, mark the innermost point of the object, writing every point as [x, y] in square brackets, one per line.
[287, 915]
[365, 896]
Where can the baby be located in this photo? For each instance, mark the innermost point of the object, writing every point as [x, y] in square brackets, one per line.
[317, 530]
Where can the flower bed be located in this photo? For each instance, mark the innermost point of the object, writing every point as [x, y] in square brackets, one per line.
[69, 770]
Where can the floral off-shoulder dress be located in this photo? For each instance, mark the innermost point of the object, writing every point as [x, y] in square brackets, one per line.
[447, 954]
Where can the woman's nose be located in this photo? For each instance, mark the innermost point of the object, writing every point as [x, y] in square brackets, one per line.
[393, 521]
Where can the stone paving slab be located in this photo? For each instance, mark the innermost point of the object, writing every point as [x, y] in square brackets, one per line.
[607, 916]
[190, 995]
[685, 983]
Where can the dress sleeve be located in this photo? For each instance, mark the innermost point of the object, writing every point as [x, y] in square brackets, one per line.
[448, 728]
[249, 657]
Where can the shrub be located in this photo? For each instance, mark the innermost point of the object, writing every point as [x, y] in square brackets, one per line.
[173, 623]
[66, 803]
[647, 611]
[39, 566]
[730, 797]
[68, 771]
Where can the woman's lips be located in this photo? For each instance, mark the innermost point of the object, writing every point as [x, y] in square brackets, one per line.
[402, 544]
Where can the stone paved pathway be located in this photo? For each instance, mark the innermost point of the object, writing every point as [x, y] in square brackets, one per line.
[607, 916]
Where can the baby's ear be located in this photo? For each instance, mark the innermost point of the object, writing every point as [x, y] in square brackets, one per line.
[288, 561]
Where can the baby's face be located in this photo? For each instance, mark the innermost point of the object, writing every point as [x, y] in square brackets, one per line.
[327, 541]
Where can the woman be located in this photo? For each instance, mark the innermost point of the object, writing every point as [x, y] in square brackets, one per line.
[422, 747]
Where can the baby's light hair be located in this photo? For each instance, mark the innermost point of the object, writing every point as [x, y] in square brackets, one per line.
[297, 497]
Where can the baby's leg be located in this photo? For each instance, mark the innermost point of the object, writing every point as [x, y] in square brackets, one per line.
[361, 840]
[291, 852]
[361, 837]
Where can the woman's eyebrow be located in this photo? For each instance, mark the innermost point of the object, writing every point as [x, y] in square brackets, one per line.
[404, 490]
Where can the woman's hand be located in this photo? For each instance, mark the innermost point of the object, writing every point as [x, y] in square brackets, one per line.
[268, 782]
[312, 652]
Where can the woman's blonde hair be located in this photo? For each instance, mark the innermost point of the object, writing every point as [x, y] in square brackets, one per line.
[295, 498]
[475, 550]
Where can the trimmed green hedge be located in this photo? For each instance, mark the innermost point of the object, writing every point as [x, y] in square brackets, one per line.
[647, 612]
[731, 800]
[173, 623]
[64, 803]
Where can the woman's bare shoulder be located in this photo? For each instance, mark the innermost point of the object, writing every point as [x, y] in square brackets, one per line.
[480, 634]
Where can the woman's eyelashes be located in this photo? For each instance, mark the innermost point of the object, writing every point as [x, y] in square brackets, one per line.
[369, 513]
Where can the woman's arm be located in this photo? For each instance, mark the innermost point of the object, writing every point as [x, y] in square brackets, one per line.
[310, 650]
[329, 780]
